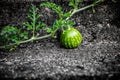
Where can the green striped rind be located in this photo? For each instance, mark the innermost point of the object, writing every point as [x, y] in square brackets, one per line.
[71, 38]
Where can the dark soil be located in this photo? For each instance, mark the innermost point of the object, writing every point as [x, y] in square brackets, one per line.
[97, 58]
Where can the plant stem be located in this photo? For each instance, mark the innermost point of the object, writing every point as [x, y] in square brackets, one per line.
[34, 20]
[84, 8]
[29, 40]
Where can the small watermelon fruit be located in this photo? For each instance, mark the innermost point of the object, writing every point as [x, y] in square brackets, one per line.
[70, 38]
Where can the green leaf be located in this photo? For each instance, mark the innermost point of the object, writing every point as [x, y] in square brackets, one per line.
[28, 25]
[62, 23]
[49, 30]
[71, 3]
[39, 25]
[38, 16]
[53, 6]
[70, 23]
[14, 39]
[30, 17]
[24, 35]
[34, 17]
[57, 24]
[67, 14]
[75, 3]
[7, 29]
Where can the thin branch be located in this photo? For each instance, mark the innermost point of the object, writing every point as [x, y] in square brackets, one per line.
[29, 40]
[84, 8]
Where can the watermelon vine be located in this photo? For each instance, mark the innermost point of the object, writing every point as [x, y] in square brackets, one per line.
[12, 36]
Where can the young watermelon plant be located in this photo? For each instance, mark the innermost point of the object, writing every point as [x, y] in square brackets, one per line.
[13, 36]
[70, 37]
